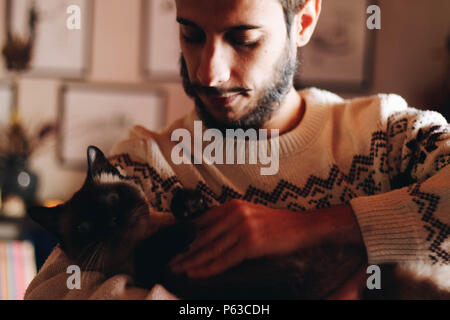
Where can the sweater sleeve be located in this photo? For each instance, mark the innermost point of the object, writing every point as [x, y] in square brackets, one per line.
[51, 284]
[412, 221]
[51, 281]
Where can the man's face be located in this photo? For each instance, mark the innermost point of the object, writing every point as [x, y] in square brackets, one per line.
[237, 60]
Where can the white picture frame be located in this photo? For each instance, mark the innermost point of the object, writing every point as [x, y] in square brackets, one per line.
[58, 51]
[339, 55]
[101, 115]
[6, 96]
[161, 54]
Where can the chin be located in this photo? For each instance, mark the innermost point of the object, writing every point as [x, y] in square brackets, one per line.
[229, 114]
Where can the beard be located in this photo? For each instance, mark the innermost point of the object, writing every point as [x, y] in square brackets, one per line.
[269, 101]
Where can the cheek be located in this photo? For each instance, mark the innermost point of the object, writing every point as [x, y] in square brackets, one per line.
[191, 67]
[192, 59]
[254, 69]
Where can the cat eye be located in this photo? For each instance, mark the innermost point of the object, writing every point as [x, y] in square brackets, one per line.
[111, 199]
[84, 227]
[113, 222]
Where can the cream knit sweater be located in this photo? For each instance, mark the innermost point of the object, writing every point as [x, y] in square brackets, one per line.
[388, 161]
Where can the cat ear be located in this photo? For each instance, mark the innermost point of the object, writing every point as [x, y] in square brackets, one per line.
[48, 218]
[97, 163]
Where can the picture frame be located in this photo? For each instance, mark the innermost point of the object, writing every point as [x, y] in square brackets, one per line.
[6, 98]
[101, 115]
[340, 54]
[160, 41]
[58, 51]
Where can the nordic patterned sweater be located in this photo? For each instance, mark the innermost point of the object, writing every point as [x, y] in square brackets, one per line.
[388, 161]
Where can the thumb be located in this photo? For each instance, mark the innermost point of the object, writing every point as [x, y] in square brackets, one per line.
[352, 288]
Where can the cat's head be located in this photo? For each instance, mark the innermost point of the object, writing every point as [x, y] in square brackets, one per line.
[103, 221]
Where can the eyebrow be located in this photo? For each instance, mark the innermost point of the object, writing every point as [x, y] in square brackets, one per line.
[241, 27]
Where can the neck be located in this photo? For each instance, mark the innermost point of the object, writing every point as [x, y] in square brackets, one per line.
[288, 115]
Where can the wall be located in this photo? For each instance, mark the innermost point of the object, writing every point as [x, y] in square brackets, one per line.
[409, 60]
[410, 56]
[114, 58]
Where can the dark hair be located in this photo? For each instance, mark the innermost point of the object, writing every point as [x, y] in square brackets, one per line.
[291, 8]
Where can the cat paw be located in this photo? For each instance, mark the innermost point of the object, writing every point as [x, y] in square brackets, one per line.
[188, 204]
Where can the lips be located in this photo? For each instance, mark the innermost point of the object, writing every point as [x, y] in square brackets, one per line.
[222, 100]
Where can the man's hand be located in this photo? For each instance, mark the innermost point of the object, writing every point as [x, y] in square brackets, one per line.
[353, 288]
[239, 230]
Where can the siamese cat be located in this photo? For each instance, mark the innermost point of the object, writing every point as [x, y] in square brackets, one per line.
[107, 226]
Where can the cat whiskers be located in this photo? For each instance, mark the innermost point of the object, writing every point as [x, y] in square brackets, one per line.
[90, 265]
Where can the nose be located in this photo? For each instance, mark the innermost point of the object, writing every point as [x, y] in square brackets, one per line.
[214, 68]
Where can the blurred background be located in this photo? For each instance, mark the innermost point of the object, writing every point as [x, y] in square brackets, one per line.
[65, 88]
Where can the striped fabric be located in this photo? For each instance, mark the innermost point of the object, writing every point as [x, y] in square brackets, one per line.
[17, 268]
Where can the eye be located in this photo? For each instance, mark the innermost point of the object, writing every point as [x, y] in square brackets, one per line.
[112, 199]
[84, 227]
[113, 222]
[192, 35]
[247, 38]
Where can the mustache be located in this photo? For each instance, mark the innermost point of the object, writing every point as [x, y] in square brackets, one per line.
[217, 90]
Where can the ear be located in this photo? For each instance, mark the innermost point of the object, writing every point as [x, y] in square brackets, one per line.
[48, 218]
[306, 20]
[97, 163]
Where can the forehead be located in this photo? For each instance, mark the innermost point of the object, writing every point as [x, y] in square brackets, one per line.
[222, 14]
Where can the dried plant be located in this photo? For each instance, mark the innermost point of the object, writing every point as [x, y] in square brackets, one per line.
[17, 51]
[16, 141]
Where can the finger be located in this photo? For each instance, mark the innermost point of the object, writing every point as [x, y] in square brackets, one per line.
[209, 253]
[208, 235]
[202, 244]
[226, 224]
[231, 258]
[352, 288]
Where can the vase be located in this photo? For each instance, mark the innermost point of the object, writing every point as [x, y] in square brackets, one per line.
[16, 179]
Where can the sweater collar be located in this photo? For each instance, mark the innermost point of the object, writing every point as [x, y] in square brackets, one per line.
[317, 102]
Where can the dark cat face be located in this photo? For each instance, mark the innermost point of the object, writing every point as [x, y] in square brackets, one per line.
[103, 221]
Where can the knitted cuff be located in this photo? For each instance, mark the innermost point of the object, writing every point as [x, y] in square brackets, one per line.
[392, 230]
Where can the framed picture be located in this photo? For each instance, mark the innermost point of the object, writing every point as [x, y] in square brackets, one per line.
[102, 115]
[340, 54]
[161, 54]
[6, 96]
[58, 51]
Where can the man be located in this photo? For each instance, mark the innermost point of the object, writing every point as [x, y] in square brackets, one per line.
[367, 171]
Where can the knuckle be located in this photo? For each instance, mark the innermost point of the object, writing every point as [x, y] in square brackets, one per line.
[248, 222]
